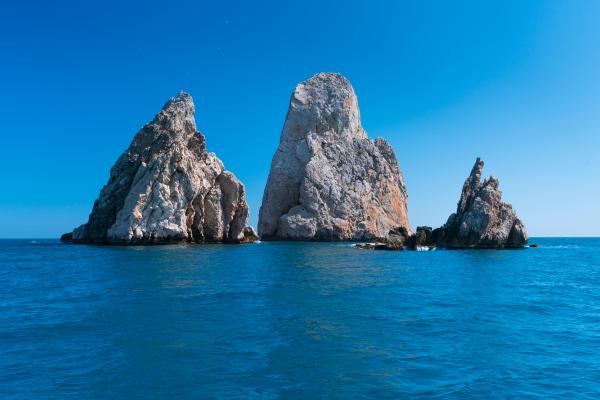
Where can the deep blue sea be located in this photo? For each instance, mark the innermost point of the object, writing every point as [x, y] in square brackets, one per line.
[298, 321]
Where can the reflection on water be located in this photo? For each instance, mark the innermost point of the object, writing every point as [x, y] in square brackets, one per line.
[298, 320]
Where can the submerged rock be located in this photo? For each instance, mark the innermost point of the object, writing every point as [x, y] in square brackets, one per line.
[482, 219]
[328, 180]
[167, 188]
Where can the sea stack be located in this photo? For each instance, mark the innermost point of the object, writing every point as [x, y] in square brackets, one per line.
[482, 219]
[328, 181]
[167, 188]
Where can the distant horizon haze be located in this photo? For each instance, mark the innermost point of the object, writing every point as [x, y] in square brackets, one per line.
[515, 83]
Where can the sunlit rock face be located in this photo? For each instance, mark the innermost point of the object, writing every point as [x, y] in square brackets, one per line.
[328, 180]
[167, 188]
[482, 219]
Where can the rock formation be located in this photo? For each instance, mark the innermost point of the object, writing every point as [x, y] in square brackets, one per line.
[328, 180]
[482, 219]
[167, 188]
[422, 238]
[399, 239]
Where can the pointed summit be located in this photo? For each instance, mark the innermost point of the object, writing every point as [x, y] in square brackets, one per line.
[470, 186]
[482, 219]
[167, 188]
[183, 102]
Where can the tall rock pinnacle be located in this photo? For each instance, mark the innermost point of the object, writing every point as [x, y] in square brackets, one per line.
[328, 180]
[167, 188]
[482, 219]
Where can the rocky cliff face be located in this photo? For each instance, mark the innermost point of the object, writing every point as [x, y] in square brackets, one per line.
[167, 188]
[328, 180]
[482, 219]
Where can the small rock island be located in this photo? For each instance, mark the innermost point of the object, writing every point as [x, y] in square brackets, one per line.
[481, 221]
[166, 188]
[328, 180]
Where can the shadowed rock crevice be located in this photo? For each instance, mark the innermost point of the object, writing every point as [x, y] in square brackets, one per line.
[167, 188]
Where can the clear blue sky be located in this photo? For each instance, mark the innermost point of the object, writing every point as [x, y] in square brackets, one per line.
[515, 82]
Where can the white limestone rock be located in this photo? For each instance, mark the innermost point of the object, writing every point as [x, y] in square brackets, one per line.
[167, 188]
[328, 180]
[482, 219]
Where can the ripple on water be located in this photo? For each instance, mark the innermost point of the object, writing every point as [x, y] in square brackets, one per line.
[298, 320]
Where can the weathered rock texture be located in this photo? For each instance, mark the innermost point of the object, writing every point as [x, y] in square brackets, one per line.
[328, 180]
[482, 219]
[167, 188]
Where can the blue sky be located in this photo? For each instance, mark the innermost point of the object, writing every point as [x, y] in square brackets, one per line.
[515, 82]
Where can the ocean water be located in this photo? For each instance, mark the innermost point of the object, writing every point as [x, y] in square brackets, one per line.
[298, 321]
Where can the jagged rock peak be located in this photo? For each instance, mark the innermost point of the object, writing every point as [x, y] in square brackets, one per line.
[328, 180]
[482, 219]
[183, 101]
[470, 187]
[167, 188]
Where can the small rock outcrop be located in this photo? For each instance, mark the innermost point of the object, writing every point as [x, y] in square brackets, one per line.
[399, 239]
[422, 238]
[167, 188]
[482, 219]
[328, 180]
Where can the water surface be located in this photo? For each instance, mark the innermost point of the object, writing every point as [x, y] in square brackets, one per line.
[298, 321]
